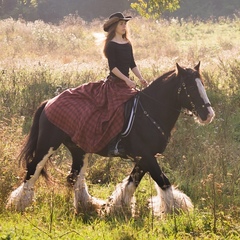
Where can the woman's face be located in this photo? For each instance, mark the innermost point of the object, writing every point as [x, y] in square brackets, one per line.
[121, 27]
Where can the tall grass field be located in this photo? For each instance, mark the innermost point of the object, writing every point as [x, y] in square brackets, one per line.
[39, 60]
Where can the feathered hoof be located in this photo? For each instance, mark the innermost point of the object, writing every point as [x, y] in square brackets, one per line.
[20, 198]
[169, 201]
[123, 209]
[94, 205]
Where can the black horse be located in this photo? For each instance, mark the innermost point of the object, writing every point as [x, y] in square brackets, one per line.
[157, 111]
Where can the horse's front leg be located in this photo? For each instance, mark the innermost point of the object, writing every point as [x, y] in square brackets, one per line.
[168, 198]
[122, 199]
[23, 196]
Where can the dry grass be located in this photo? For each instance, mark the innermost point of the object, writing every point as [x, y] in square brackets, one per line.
[77, 44]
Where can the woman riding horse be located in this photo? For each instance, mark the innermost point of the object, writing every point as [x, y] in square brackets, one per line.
[157, 111]
[102, 102]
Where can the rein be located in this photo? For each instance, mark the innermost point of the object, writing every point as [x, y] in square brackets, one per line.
[158, 102]
[153, 121]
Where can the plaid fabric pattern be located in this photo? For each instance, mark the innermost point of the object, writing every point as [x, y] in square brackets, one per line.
[91, 114]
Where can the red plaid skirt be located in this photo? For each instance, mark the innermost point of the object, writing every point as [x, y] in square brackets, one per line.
[91, 114]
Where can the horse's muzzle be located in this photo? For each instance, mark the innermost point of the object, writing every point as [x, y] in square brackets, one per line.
[210, 116]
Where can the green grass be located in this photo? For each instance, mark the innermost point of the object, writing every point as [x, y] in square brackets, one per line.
[203, 161]
[52, 217]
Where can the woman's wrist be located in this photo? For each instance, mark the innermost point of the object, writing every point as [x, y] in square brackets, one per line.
[143, 81]
[127, 80]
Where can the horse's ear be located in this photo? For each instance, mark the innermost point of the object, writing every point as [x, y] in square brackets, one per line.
[197, 67]
[180, 70]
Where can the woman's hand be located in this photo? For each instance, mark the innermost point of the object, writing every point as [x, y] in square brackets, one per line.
[143, 82]
[130, 83]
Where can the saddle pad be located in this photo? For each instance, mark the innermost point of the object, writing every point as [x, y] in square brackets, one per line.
[130, 113]
[91, 114]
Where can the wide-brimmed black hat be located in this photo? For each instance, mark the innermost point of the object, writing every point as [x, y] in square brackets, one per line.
[115, 17]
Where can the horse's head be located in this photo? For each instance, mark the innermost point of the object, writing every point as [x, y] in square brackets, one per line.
[192, 94]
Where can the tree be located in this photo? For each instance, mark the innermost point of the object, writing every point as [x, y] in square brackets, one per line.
[155, 8]
[205, 9]
[8, 5]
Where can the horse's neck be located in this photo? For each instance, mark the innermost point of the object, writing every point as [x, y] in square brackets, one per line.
[161, 101]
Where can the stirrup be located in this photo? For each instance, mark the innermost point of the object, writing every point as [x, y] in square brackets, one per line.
[117, 150]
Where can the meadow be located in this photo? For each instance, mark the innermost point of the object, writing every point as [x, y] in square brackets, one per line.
[38, 60]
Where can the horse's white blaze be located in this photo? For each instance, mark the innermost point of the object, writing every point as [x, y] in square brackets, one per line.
[204, 96]
[122, 196]
[82, 199]
[169, 200]
[23, 196]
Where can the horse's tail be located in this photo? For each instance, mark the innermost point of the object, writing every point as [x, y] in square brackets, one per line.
[27, 153]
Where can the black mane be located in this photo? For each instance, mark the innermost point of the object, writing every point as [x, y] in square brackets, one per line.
[164, 78]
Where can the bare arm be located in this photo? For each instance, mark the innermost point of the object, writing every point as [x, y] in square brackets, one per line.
[127, 80]
[137, 73]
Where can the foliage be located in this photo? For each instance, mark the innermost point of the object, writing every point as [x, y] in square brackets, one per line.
[55, 10]
[206, 9]
[40, 60]
[154, 8]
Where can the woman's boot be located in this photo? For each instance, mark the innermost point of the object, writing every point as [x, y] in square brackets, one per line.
[115, 148]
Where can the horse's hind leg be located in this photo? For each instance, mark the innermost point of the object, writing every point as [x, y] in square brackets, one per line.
[122, 197]
[77, 161]
[83, 201]
[23, 196]
[49, 140]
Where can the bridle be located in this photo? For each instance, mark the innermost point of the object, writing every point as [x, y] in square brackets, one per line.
[181, 88]
[194, 107]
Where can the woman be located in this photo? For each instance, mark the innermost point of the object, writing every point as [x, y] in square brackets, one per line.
[93, 114]
[118, 50]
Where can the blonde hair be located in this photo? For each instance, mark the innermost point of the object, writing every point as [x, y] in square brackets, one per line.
[111, 35]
